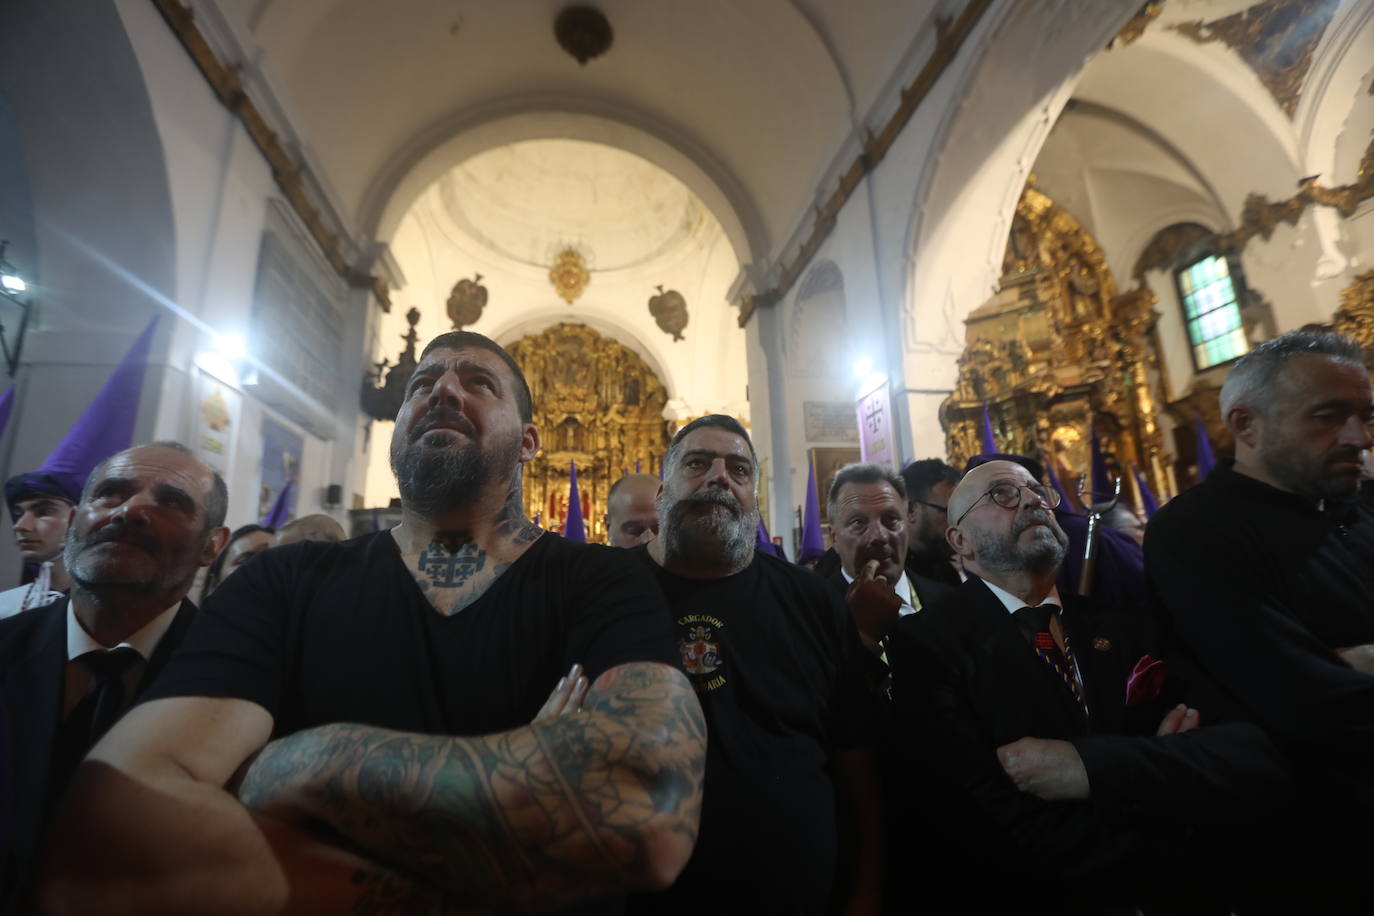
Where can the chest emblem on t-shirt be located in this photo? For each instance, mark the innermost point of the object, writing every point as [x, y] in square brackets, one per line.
[701, 656]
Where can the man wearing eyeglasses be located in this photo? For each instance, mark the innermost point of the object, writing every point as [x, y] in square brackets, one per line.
[1019, 701]
[929, 484]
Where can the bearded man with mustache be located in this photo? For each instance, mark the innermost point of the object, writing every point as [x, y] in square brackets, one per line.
[779, 669]
[1042, 743]
[1265, 572]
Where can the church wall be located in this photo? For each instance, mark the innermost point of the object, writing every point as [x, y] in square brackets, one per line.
[151, 201]
[103, 244]
[950, 186]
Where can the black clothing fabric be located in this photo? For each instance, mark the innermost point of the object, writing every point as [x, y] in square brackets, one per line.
[33, 665]
[776, 663]
[321, 632]
[92, 717]
[828, 563]
[901, 841]
[933, 565]
[965, 682]
[1258, 588]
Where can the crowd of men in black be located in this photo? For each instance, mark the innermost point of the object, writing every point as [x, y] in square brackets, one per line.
[468, 714]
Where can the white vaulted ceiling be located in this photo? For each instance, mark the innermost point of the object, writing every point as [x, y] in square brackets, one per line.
[760, 95]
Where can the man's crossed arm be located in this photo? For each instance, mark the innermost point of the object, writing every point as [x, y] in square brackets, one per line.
[568, 807]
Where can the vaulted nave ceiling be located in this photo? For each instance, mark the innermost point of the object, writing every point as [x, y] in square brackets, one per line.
[762, 95]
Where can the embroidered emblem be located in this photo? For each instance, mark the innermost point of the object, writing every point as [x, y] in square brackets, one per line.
[700, 653]
[1102, 644]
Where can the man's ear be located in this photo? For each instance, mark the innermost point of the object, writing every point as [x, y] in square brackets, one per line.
[216, 542]
[1244, 423]
[529, 443]
[958, 541]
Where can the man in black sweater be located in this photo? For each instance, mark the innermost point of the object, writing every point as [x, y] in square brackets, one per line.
[1265, 574]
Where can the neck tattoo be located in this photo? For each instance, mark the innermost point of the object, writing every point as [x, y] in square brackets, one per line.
[445, 564]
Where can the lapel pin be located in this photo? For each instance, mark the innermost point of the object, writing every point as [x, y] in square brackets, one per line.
[1102, 644]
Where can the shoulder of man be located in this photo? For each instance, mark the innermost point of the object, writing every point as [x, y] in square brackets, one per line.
[19, 632]
[958, 617]
[804, 579]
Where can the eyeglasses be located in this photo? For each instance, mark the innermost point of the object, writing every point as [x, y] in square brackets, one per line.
[1008, 496]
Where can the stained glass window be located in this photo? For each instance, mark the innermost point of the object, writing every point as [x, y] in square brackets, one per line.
[1211, 312]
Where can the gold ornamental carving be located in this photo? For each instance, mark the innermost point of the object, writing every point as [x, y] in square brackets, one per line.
[466, 301]
[596, 402]
[569, 274]
[1355, 316]
[1275, 38]
[1136, 25]
[1057, 351]
[670, 312]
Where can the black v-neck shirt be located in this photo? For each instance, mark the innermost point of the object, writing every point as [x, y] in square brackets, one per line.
[322, 632]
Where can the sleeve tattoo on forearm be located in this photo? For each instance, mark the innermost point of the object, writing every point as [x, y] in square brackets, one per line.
[538, 815]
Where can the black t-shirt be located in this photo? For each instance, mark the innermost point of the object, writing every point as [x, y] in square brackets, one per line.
[776, 663]
[319, 632]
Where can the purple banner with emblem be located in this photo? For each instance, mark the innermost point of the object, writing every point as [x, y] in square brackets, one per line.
[876, 441]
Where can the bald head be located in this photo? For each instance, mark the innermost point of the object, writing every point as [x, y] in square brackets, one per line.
[631, 518]
[316, 527]
[977, 481]
[995, 541]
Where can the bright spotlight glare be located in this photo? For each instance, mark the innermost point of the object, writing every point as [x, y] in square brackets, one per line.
[862, 367]
[13, 284]
[231, 345]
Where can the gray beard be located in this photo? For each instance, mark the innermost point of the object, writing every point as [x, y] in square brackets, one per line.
[711, 540]
[1002, 554]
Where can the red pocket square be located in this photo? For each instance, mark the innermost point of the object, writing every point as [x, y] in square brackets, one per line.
[1145, 681]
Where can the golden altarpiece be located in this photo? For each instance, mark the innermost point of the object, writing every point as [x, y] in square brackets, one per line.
[596, 403]
[1057, 351]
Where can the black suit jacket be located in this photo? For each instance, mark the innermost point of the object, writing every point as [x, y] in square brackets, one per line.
[966, 681]
[33, 660]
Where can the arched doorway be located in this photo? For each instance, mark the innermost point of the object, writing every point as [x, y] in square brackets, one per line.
[597, 404]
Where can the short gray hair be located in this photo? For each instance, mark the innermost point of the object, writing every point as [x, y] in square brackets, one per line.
[862, 472]
[1253, 378]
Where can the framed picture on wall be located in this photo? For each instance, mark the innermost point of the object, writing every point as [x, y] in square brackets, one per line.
[827, 461]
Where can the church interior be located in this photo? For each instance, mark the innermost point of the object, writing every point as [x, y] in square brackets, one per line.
[1066, 216]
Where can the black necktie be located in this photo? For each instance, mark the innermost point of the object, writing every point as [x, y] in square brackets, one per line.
[92, 717]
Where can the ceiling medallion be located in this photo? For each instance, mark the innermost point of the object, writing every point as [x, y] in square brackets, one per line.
[670, 311]
[466, 301]
[583, 31]
[569, 274]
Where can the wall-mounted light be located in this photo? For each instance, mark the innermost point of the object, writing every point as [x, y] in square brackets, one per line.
[862, 367]
[11, 285]
[225, 359]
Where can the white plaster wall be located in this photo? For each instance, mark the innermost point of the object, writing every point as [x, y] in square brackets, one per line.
[220, 188]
